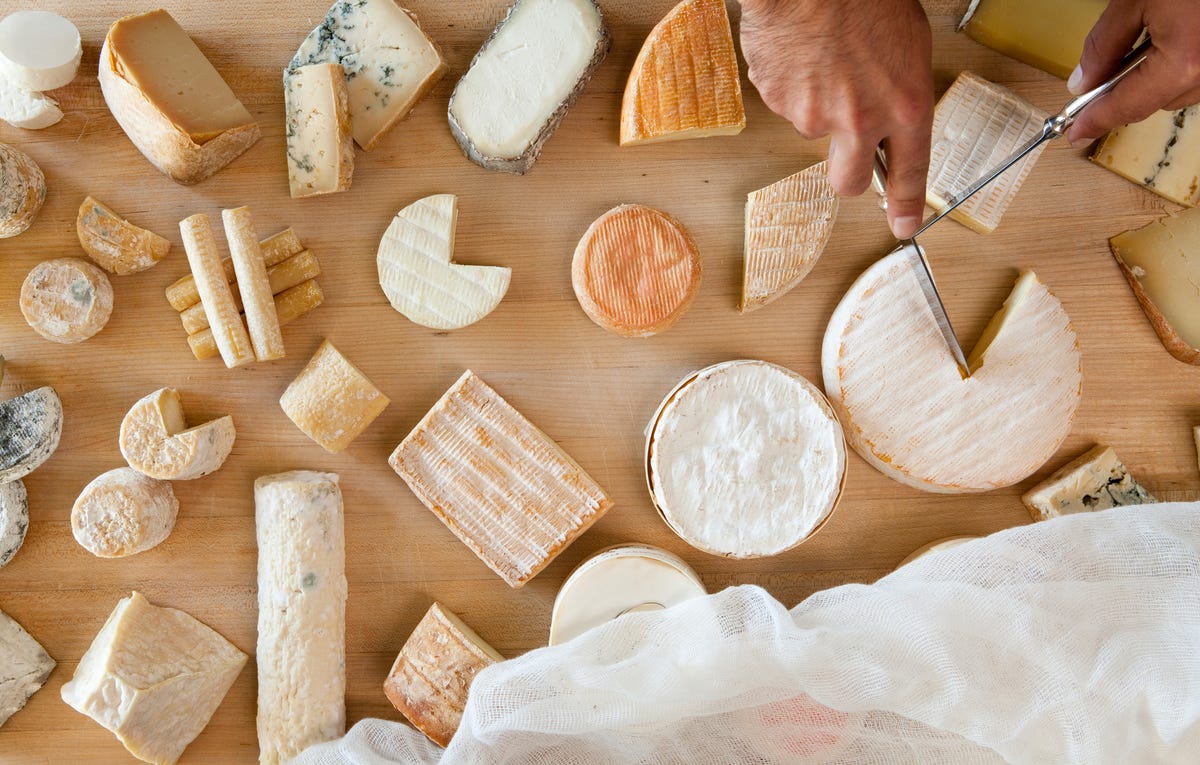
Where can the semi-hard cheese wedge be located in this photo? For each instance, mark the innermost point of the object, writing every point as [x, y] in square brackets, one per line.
[289, 305]
[524, 79]
[320, 146]
[115, 244]
[254, 287]
[153, 676]
[297, 269]
[1162, 153]
[66, 300]
[213, 288]
[389, 61]
[904, 403]
[511, 494]
[331, 401]
[277, 248]
[156, 441]
[745, 459]
[1096, 480]
[1046, 35]
[122, 513]
[431, 677]
[14, 522]
[419, 276]
[22, 190]
[27, 109]
[636, 271]
[30, 428]
[39, 50]
[684, 83]
[977, 124]
[170, 101]
[1161, 262]
[24, 667]
[301, 612]
[788, 225]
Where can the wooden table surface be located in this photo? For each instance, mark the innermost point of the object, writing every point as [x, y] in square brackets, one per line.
[591, 391]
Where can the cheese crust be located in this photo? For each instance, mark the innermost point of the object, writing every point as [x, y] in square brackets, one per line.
[66, 300]
[22, 191]
[331, 400]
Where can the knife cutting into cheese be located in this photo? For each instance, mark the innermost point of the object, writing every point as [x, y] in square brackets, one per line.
[1054, 126]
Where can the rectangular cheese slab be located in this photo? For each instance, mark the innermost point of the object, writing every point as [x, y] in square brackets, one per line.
[320, 147]
[1161, 153]
[1095, 481]
[24, 667]
[1048, 34]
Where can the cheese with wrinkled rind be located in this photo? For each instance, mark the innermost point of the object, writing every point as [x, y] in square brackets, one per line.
[123, 512]
[30, 428]
[331, 400]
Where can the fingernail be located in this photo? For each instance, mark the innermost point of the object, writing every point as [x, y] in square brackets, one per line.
[1076, 80]
[905, 226]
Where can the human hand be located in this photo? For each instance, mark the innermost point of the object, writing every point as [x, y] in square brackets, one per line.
[1168, 79]
[860, 72]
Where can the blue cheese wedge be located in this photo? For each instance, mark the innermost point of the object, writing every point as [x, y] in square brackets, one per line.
[1097, 480]
[1161, 153]
[14, 520]
[30, 427]
[24, 667]
[320, 147]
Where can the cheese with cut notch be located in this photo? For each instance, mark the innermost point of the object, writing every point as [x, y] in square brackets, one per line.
[254, 287]
[155, 439]
[289, 305]
[505, 489]
[66, 300]
[1048, 35]
[24, 667]
[788, 225]
[1161, 262]
[122, 513]
[904, 403]
[14, 522]
[299, 268]
[22, 190]
[524, 79]
[27, 109]
[390, 63]
[320, 147]
[115, 244]
[39, 50]
[1096, 480]
[684, 83]
[153, 676]
[421, 279]
[30, 428]
[276, 249]
[431, 677]
[1162, 153]
[298, 519]
[977, 124]
[331, 401]
[205, 261]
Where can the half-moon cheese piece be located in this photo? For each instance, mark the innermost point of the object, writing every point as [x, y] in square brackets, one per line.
[905, 405]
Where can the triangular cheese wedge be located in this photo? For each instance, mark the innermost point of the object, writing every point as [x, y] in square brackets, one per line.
[684, 83]
[787, 227]
[418, 277]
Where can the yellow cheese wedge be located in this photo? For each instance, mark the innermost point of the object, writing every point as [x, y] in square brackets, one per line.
[1048, 35]
[1161, 153]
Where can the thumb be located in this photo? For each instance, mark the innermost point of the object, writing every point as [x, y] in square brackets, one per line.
[1113, 36]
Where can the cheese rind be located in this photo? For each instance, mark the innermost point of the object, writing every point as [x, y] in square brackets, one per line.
[156, 441]
[39, 50]
[946, 543]
[66, 300]
[289, 305]
[1161, 153]
[22, 191]
[122, 513]
[1096, 480]
[14, 522]
[1049, 36]
[331, 401]
[30, 428]
[277, 248]
[254, 287]
[208, 272]
[27, 109]
[115, 244]
[320, 146]
[24, 667]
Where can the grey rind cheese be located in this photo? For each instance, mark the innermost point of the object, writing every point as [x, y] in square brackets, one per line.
[24, 667]
[524, 79]
[30, 426]
[1097, 480]
[14, 519]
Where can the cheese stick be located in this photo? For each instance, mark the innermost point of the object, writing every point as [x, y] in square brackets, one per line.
[295, 270]
[275, 249]
[228, 330]
[289, 305]
[253, 284]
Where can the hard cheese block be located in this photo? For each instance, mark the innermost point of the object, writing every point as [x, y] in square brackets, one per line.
[24, 667]
[153, 676]
[331, 400]
[907, 409]
[1161, 153]
[1048, 35]
[320, 147]
[30, 428]
[511, 494]
[1097, 480]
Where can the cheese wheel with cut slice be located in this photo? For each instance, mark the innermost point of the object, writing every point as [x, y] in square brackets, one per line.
[907, 409]
[66, 300]
[156, 441]
[636, 271]
[123, 512]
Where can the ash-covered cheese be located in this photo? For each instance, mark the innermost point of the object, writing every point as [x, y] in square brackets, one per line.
[14, 520]
[30, 428]
[1097, 480]
[24, 667]
[22, 184]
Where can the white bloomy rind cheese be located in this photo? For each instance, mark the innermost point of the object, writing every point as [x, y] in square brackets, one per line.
[320, 147]
[1097, 480]
[30, 428]
[156, 440]
[746, 459]
[301, 612]
[524, 79]
[14, 522]
[39, 50]
[26, 109]
[24, 667]
[123, 512]
[419, 277]
[905, 405]
[1161, 153]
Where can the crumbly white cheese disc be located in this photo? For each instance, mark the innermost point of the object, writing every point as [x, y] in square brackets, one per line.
[39, 50]
[66, 300]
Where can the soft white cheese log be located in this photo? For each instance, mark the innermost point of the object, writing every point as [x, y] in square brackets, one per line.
[39, 50]
[301, 613]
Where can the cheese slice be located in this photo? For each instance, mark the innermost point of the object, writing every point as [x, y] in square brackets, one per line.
[1161, 153]
[1097, 480]
[390, 63]
[904, 403]
[14, 522]
[1161, 262]
[208, 272]
[504, 488]
[22, 190]
[684, 82]
[298, 519]
[153, 676]
[290, 304]
[745, 459]
[30, 428]
[524, 79]
[27, 109]
[331, 401]
[24, 667]
[115, 244]
[977, 124]
[419, 277]
[788, 225]
[155, 439]
[300, 268]
[66, 300]
[431, 677]
[1049, 36]
[122, 513]
[948, 543]
[320, 147]
[277, 248]
[39, 50]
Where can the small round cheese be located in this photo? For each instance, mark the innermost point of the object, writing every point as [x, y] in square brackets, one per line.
[14, 519]
[66, 300]
[156, 441]
[123, 512]
[746, 459]
[39, 50]
[30, 429]
[22, 191]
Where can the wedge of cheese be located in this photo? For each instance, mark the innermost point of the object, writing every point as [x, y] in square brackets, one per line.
[504, 488]
[1161, 153]
[390, 63]
[24, 667]
[432, 675]
[788, 225]
[22, 190]
[115, 244]
[946, 543]
[524, 79]
[904, 403]
[14, 522]
[66, 300]
[1096, 480]
[156, 441]
[122, 513]
[320, 147]
[153, 676]
[30, 428]
[1046, 35]
[27, 109]
[39, 50]
[685, 82]
[1161, 262]
[170, 101]
[331, 401]
[977, 124]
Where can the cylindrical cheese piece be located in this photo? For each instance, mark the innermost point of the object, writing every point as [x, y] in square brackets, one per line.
[39, 50]
[22, 190]
[230, 334]
[275, 250]
[301, 613]
[295, 270]
[66, 300]
[289, 305]
[123, 512]
[253, 284]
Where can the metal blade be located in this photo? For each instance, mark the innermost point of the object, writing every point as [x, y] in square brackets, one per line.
[929, 288]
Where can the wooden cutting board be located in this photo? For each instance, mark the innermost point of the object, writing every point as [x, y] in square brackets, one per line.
[591, 391]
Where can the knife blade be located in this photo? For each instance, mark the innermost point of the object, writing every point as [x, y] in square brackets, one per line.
[929, 288]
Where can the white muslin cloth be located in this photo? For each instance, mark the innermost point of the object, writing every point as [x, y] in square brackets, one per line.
[1075, 640]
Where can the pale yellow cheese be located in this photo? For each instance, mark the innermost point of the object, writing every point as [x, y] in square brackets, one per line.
[228, 329]
[289, 305]
[297, 269]
[1161, 153]
[253, 284]
[1097, 480]
[123, 512]
[276, 249]
[331, 400]
[1048, 34]
[115, 244]
[66, 300]
[320, 148]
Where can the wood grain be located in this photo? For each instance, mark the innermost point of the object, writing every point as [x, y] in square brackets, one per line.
[591, 391]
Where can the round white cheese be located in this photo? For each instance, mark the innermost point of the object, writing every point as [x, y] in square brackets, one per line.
[746, 459]
[123, 512]
[39, 50]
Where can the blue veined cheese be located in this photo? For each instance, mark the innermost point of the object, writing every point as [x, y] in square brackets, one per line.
[66, 300]
[1097, 480]
[24, 667]
[301, 612]
[14, 521]
[1162, 153]
[390, 63]
[320, 144]
[30, 428]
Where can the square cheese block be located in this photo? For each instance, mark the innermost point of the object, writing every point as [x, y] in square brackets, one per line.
[1096, 480]
[1048, 35]
[24, 666]
[432, 675]
[153, 676]
[502, 486]
[331, 400]
[1161, 153]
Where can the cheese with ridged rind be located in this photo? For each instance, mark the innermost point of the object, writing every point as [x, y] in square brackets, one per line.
[254, 286]
[277, 248]
[24, 667]
[30, 428]
[155, 439]
[123, 512]
[1161, 153]
[66, 300]
[14, 522]
[1096, 480]
[208, 272]
[331, 400]
[115, 244]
